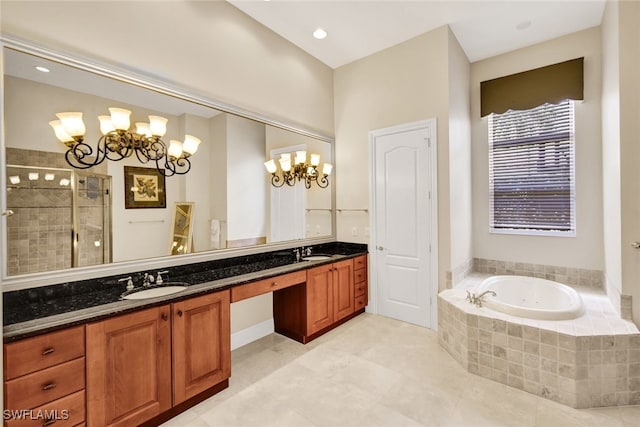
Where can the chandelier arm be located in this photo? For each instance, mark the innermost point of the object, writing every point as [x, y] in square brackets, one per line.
[77, 154]
[116, 146]
[322, 181]
[276, 180]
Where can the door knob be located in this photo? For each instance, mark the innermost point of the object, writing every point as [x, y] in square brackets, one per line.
[8, 212]
[380, 248]
[635, 245]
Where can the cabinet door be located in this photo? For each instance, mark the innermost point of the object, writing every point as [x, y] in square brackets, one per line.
[343, 290]
[201, 344]
[129, 368]
[319, 298]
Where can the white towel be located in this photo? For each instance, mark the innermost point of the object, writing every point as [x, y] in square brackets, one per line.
[214, 237]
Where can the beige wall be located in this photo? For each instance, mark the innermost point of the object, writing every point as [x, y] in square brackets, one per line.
[459, 156]
[629, 56]
[209, 46]
[402, 84]
[611, 153]
[584, 250]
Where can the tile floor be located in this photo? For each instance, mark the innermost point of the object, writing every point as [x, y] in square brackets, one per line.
[375, 371]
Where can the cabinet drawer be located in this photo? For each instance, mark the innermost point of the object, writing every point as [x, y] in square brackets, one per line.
[68, 411]
[44, 386]
[360, 302]
[359, 289]
[360, 275]
[360, 262]
[267, 285]
[34, 354]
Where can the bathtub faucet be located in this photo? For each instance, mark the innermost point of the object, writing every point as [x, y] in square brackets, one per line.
[477, 299]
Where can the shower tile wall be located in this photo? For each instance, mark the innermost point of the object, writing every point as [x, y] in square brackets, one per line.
[39, 232]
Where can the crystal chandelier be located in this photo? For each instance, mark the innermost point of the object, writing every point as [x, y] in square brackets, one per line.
[300, 170]
[118, 142]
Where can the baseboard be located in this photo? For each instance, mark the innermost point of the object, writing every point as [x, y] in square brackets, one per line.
[251, 334]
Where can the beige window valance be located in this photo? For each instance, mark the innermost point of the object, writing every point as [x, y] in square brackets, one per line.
[532, 88]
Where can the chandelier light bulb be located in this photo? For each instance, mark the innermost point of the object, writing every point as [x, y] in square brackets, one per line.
[315, 159]
[271, 166]
[158, 125]
[72, 123]
[106, 125]
[190, 144]
[301, 157]
[61, 134]
[142, 128]
[327, 168]
[120, 118]
[285, 165]
[175, 149]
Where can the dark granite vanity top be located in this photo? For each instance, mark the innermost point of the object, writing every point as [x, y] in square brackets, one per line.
[37, 310]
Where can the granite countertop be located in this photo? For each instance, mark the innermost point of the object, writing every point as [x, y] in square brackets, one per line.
[36, 311]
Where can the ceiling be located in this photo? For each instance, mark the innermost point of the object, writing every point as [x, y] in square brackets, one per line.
[358, 28]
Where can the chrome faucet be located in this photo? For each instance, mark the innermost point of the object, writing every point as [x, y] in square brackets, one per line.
[129, 282]
[148, 280]
[159, 279]
[306, 251]
[296, 252]
[477, 299]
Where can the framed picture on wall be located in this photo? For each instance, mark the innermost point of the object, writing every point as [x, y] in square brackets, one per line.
[144, 188]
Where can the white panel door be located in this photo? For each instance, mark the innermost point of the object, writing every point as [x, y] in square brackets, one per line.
[403, 222]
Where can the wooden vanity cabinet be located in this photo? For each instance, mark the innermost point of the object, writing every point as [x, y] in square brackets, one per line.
[326, 300]
[144, 363]
[46, 374]
[201, 344]
[129, 366]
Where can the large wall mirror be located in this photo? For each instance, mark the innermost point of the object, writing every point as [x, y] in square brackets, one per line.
[60, 217]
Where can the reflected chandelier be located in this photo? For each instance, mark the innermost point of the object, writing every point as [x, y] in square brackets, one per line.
[300, 170]
[118, 142]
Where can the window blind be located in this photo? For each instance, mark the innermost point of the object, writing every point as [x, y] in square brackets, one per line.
[531, 169]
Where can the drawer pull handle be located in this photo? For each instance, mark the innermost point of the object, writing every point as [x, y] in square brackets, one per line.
[48, 351]
[179, 313]
[49, 386]
[49, 422]
[274, 284]
[165, 317]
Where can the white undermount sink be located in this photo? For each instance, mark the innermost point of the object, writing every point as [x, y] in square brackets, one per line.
[316, 257]
[155, 292]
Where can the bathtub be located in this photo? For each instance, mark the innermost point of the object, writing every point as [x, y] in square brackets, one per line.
[531, 297]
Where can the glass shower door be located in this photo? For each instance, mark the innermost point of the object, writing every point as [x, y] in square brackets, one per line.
[92, 239]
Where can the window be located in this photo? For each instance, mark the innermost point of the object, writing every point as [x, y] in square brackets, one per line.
[531, 170]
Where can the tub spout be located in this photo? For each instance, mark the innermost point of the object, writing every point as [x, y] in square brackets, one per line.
[477, 299]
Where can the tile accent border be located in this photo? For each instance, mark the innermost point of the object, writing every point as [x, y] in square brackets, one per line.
[459, 273]
[569, 276]
[578, 371]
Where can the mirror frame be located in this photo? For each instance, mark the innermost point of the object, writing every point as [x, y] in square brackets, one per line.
[11, 283]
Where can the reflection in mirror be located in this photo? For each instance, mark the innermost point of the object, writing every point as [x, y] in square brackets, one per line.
[52, 229]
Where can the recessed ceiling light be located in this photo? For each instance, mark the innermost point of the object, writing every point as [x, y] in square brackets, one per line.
[523, 25]
[320, 34]
[42, 69]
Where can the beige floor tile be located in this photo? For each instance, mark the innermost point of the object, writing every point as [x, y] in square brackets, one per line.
[374, 371]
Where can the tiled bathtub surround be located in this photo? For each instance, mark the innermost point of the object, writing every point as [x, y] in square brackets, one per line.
[459, 273]
[587, 362]
[569, 276]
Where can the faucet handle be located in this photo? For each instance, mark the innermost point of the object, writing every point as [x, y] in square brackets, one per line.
[129, 282]
[159, 279]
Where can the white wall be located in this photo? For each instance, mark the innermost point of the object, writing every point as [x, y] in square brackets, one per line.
[586, 249]
[611, 152]
[629, 55]
[402, 84]
[245, 151]
[459, 156]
